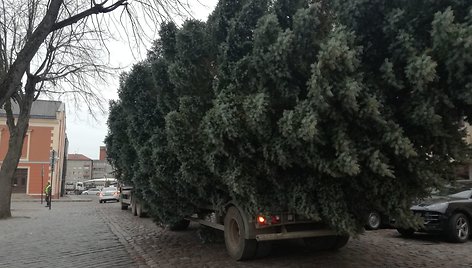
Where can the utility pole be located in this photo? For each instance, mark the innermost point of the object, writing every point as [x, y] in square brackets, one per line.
[42, 182]
[53, 162]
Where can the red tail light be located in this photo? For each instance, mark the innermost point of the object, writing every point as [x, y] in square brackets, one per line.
[268, 220]
[275, 219]
[261, 220]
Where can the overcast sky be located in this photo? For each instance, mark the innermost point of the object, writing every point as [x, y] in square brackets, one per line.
[85, 134]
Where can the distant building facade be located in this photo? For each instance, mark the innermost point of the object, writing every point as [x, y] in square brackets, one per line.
[79, 168]
[101, 167]
[46, 132]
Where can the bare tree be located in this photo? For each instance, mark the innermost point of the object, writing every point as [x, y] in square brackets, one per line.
[46, 43]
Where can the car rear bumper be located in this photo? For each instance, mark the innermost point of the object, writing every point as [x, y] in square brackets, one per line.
[106, 198]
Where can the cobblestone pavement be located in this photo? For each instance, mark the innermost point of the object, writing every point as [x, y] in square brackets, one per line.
[68, 235]
[85, 234]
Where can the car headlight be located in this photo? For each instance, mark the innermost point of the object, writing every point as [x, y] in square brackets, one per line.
[439, 207]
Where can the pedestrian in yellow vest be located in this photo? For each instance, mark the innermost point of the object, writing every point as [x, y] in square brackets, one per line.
[47, 191]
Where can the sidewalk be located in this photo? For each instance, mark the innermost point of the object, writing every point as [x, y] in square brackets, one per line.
[69, 235]
[65, 198]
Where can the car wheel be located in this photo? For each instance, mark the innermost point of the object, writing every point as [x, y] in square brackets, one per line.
[458, 228]
[100, 201]
[85, 193]
[373, 221]
[406, 232]
[237, 246]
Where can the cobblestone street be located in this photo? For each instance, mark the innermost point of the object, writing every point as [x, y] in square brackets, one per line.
[86, 234]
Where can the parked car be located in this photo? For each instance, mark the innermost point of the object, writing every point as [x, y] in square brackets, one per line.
[449, 214]
[91, 191]
[108, 193]
[376, 220]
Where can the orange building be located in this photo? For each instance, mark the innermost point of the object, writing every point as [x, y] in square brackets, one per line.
[47, 132]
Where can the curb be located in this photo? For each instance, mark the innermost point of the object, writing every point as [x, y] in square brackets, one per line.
[54, 201]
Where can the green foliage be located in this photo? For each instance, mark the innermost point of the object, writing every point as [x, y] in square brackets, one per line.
[327, 109]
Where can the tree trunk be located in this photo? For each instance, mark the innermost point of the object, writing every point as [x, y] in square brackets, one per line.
[15, 146]
[7, 171]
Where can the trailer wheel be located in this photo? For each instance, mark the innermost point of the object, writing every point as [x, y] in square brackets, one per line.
[326, 242]
[133, 207]
[139, 210]
[341, 241]
[237, 246]
[318, 243]
[179, 226]
[263, 249]
[406, 232]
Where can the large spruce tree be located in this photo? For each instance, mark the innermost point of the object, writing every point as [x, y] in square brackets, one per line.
[326, 108]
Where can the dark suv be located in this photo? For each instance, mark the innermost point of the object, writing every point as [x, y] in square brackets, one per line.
[448, 211]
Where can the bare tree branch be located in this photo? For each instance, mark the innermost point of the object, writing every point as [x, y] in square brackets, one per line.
[96, 9]
[24, 57]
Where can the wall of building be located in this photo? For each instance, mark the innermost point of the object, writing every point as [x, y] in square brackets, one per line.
[79, 170]
[77, 167]
[103, 153]
[102, 169]
[35, 154]
[43, 136]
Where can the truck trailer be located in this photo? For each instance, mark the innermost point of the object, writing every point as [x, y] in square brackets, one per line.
[248, 235]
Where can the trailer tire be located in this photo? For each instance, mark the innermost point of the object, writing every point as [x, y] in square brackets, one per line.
[406, 232]
[237, 246]
[318, 243]
[179, 226]
[326, 242]
[341, 241]
[263, 249]
[139, 210]
[133, 207]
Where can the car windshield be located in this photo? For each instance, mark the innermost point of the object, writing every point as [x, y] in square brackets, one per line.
[463, 194]
[449, 189]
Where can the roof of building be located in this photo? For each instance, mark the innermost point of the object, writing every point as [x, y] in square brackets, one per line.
[78, 157]
[40, 109]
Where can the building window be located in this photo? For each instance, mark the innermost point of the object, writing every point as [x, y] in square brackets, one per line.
[26, 146]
